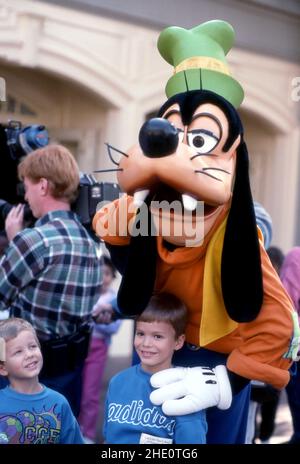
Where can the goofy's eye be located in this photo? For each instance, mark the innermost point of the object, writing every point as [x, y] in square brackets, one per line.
[202, 140]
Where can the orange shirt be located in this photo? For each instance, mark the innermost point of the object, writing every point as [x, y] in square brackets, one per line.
[255, 348]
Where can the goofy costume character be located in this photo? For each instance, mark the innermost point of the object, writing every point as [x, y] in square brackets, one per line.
[241, 322]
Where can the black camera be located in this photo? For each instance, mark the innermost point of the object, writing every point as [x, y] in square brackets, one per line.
[90, 194]
[16, 142]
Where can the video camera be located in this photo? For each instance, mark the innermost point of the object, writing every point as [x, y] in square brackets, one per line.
[23, 140]
[15, 143]
[90, 194]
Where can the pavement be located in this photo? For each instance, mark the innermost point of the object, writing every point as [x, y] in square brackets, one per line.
[283, 427]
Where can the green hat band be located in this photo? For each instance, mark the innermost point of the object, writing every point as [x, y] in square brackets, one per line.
[199, 59]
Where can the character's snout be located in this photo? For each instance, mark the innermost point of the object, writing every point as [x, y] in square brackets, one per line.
[158, 138]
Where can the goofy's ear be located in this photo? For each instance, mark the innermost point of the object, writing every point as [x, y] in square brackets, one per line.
[241, 272]
[139, 271]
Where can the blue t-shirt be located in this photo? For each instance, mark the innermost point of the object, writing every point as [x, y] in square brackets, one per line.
[131, 418]
[37, 418]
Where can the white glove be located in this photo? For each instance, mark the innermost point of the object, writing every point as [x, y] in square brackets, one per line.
[184, 390]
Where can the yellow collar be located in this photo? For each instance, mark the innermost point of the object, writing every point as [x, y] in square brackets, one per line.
[215, 322]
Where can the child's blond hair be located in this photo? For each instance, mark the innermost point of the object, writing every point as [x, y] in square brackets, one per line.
[10, 329]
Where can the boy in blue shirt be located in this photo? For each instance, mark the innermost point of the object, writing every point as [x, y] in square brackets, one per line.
[130, 417]
[30, 413]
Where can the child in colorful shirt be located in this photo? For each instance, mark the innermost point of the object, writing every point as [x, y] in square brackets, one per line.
[30, 413]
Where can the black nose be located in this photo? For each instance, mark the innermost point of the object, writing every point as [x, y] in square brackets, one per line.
[158, 138]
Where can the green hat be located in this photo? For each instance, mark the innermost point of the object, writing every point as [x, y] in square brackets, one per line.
[199, 59]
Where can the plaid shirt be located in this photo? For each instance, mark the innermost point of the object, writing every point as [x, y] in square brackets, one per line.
[50, 275]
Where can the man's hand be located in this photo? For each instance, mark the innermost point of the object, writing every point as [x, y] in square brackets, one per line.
[184, 390]
[14, 222]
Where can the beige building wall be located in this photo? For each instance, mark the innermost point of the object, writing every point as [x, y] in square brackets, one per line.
[93, 80]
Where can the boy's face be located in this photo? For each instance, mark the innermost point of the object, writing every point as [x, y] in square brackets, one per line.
[155, 343]
[23, 358]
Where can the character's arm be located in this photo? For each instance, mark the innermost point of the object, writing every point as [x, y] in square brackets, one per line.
[110, 224]
[270, 342]
[116, 225]
[185, 390]
[113, 221]
[264, 349]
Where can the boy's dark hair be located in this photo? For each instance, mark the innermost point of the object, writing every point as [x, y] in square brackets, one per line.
[106, 261]
[164, 307]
